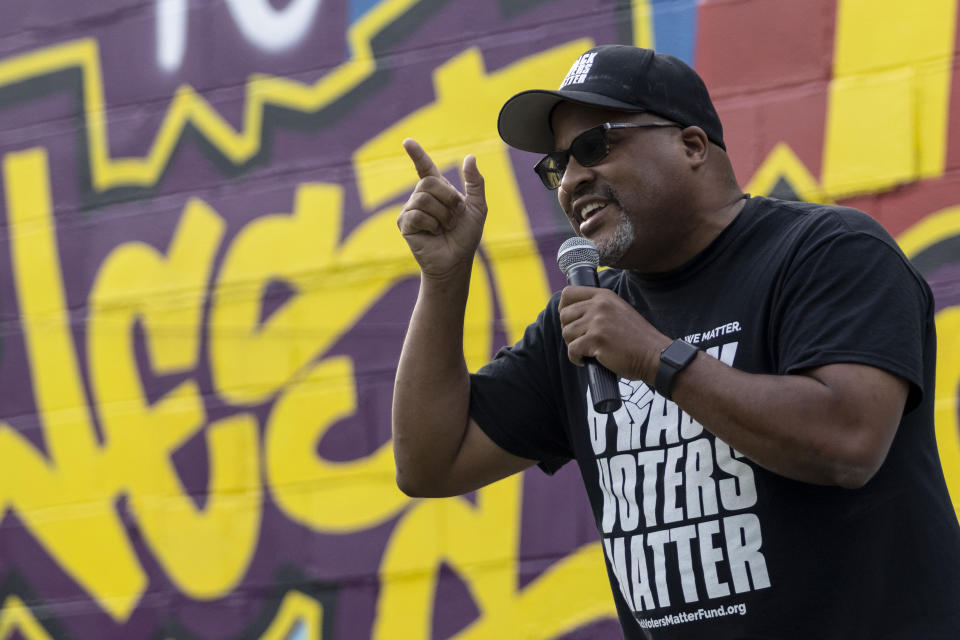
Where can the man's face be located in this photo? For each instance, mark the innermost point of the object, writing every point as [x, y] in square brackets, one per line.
[628, 204]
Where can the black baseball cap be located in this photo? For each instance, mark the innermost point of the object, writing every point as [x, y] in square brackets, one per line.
[615, 77]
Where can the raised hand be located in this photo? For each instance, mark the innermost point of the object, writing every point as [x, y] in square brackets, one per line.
[441, 225]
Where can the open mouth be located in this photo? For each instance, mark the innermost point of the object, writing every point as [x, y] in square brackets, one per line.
[590, 216]
[590, 209]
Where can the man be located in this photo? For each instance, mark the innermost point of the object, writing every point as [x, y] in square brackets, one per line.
[772, 472]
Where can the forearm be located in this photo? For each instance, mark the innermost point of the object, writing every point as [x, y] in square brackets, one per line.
[432, 387]
[831, 424]
[804, 427]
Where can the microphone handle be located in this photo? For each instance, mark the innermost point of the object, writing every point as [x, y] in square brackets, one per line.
[604, 387]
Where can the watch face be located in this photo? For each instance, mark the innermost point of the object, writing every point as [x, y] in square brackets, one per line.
[679, 353]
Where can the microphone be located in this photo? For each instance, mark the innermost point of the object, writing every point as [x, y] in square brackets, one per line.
[578, 259]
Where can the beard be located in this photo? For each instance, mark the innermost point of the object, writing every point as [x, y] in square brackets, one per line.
[612, 250]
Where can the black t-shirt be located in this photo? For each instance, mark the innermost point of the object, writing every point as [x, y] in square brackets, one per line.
[699, 541]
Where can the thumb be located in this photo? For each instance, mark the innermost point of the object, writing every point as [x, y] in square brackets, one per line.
[473, 186]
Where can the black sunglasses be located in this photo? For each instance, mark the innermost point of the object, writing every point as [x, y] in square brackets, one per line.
[589, 148]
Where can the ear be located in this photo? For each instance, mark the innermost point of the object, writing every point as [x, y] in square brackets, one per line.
[696, 145]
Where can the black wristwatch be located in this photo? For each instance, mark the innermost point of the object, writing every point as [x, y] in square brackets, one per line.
[673, 360]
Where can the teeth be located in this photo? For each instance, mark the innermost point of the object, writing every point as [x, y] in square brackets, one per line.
[589, 209]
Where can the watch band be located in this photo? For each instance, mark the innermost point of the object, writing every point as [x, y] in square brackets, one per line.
[673, 360]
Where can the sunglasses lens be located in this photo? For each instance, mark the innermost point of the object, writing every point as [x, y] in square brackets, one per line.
[550, 170]
[590, 147]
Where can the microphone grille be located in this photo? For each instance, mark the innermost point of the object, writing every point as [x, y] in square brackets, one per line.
[577, 250]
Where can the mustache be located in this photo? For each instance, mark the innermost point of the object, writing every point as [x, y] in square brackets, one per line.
[603, 191]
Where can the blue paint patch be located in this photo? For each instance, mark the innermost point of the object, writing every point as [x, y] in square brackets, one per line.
[360, 7]
[299, 632]
[675, 27]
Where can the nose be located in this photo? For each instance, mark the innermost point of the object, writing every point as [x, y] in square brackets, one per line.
[574, 177]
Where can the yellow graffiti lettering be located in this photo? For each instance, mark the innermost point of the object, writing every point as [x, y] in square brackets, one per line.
[572, 593]
[889, 99]
[205, 551]
[336, 497]
[481, 544]
[253, 359]
[65, 500]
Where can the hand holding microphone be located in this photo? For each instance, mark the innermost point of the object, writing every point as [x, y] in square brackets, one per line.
[578, 259]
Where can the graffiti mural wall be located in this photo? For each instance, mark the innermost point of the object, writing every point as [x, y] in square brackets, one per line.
[203, 292]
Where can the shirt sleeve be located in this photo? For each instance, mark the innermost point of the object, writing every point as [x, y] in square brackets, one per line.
[853, 297]
[517, 398]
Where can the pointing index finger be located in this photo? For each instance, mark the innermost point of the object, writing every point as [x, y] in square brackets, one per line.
[421, 161]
